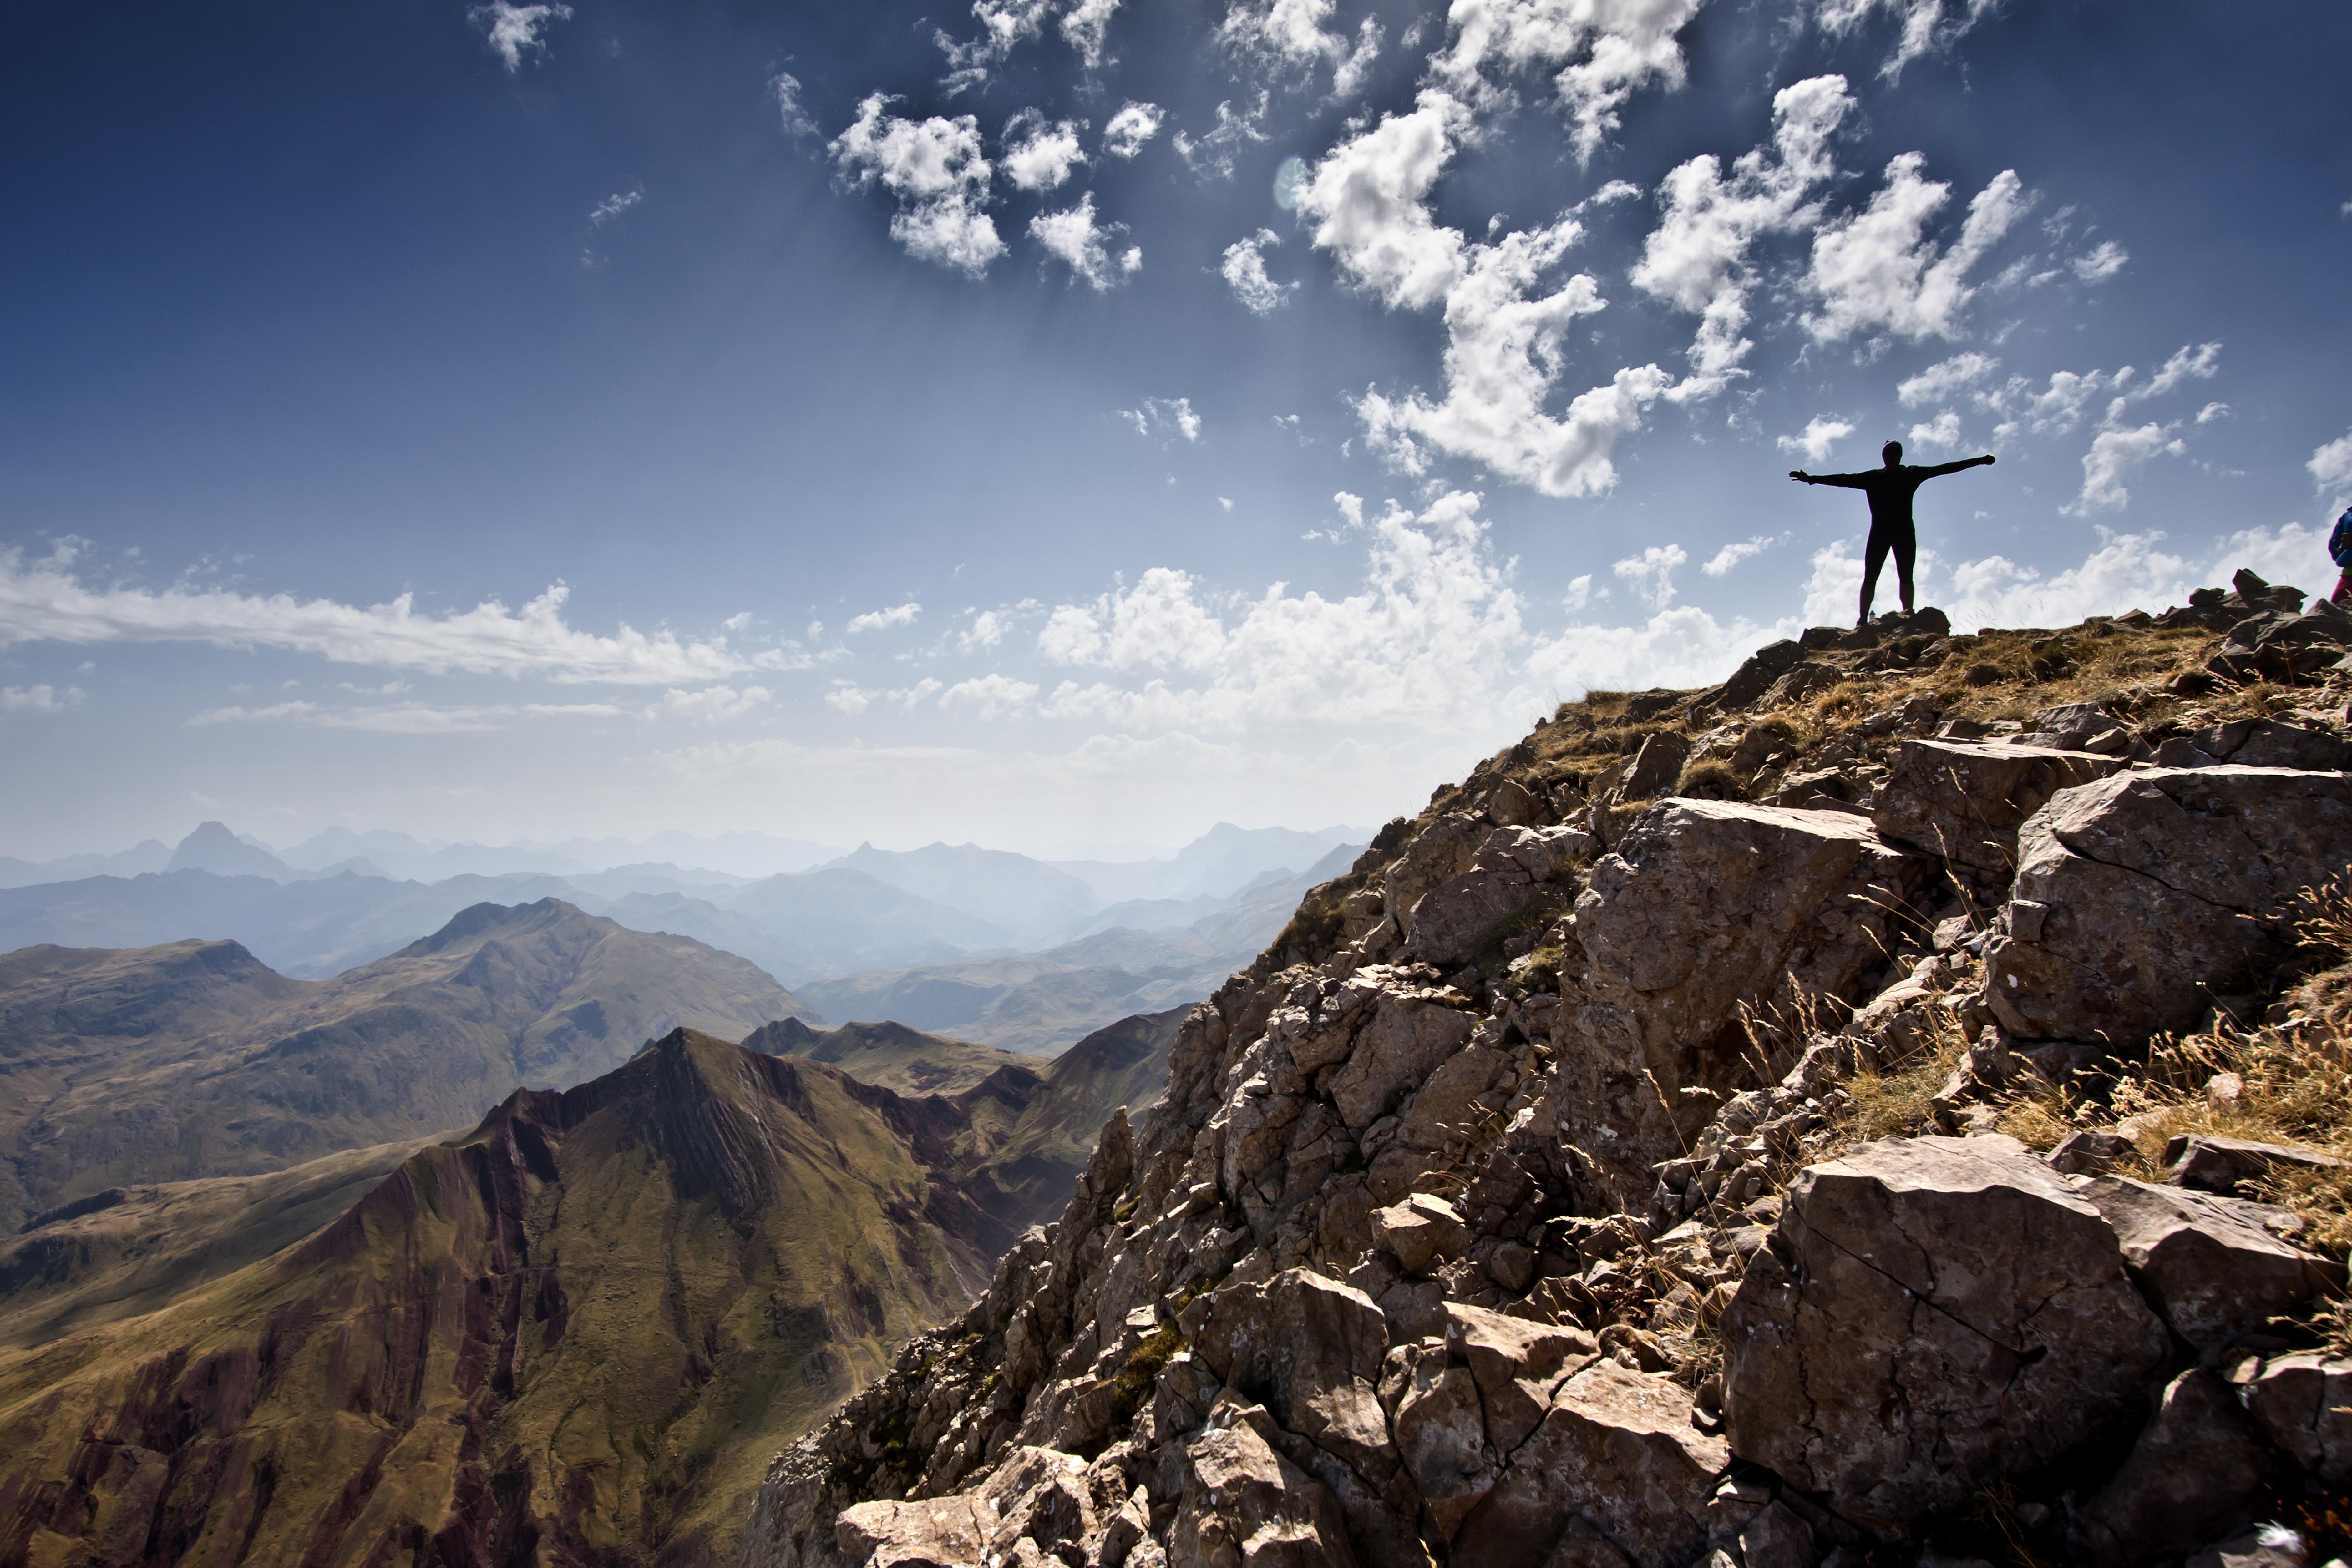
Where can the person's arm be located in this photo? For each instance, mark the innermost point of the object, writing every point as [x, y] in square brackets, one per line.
[1943, 468]
[1842, 481]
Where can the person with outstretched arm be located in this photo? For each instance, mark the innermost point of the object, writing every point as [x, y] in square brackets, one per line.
[1890, 490]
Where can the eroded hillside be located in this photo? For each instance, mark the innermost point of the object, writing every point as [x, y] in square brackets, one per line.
[1872, 1111]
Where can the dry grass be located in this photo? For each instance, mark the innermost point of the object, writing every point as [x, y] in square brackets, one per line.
[1900, 1098]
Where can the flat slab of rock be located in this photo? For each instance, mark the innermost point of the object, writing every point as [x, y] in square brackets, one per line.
[2211, 1267]
[1243, 1504]
[1616, 1453]
[931, 1532]
[2158, 889]
[2303, 1402]
[2211, 1163]
[1964, 799]
[1931, 1314]
[1705, 904]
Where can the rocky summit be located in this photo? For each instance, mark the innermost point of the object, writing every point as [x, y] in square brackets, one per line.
[1889, 1108]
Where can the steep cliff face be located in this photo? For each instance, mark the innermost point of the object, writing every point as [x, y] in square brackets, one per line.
[1425, 1254]
[572, 1336]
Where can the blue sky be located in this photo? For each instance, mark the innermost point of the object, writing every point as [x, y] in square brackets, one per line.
[910, 422]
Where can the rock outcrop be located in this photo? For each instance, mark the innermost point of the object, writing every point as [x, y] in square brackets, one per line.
[1520, 1205]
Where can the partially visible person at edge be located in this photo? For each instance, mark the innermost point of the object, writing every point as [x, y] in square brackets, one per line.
[2340, 550]
[1890, 490]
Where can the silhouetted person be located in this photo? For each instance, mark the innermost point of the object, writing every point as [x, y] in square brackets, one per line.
[1890, 490]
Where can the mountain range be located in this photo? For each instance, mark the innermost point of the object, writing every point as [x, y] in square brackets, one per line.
[194, 1058]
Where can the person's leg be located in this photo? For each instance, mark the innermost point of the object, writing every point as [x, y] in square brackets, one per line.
[1906, 548]
[1874, 560]
[2343, 594]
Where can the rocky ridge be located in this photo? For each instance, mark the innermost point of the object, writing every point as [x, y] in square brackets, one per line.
[1757, 1126]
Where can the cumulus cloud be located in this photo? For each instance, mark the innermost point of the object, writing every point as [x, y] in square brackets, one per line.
[1039, 156]
[1942, 433]
[1940, 382]
[1504, 319]
[1287, 38]
[1683, 646]
[1213, 153]
[2101, 264]
[1160, 414]
[785, 88]
[2191, 361]
[1244, 272]
[43, 698]
[1074, 238]
[1696, 259]
[1133, 126]
[1879, 270]
[2115, 452]
[46, 602]
[1923, 27]
[988, 696]
[1004, 24]
[712, 705]
[515, 31]
[883, 620]
[1428, 641]
[936, 171]
[1820, 435]
[1732, 554]
[1650, 576]
[2331, 466]
[1600, 52]
[986, 630]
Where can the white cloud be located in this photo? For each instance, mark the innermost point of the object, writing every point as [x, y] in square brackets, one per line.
[46, 601]
[989, 695]
[1504, 324]
[987, 629]
[1878, 268]
[1427, 642]
[2101, 264]
[935, 169]
[1579, 593]
[1651, 574]
[402, 718]
[785, 88]
[1131, 127]
[2199, 361]
[1073, 237]
[1820, 435]
[1600, 51]
[2059, 406]
[1085, 25]
[1164, 413]
[1943, 432]
[515, 31]
[1039, 156]
[1284, 38]
[614, 205]
[1244, 272]
[1940, 382]
[1696, 259]
[1926, 25]
[2115, 452]
[43, 698]
[2211, 412]
[2331, 466]
[845, 697]
[883, 620]
[1004, 23]
[712, 705]
[1213, 154]
[1732, 554]
[1680, 647]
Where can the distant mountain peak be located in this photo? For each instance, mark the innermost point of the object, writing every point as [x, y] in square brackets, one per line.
[212, 848]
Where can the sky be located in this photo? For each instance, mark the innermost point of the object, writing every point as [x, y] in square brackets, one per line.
[1065, 424]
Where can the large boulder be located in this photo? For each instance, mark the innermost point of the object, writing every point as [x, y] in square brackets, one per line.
[1932, 1314]
[2212, 1267]
[1706, 905]
[1409, 1032]
[1242, 1505]
[2303, 1402]
[2149, 891]
[1616, 1454]
[1964, 799]
[1309, 1348]
[1511, 868]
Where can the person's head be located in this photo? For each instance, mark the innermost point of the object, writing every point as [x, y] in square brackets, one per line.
[1893, 452]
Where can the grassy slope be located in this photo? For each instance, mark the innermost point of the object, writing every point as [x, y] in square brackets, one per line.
[905, 1061]
[193, 1059]
[587, 1326]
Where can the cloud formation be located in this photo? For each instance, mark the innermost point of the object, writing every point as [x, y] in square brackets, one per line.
[785, 88]
[1283, 38]
[46, 602]
[43, 698]
[1131, 127]
[1940, 382]
[1925, 26]
[1074, 238]
[1160, 414]
[401, 718]
[883, 620]
[1820, 435]
[936, 169]
[1039, 156]
[614, 205]
[1600, 53]
[1245, 274]
[2330, 466]
[1879, 270]
[515, 31]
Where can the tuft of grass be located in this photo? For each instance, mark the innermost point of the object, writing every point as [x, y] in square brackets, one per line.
[1132, 1385]
[1710, 780]
[1900, 1098]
